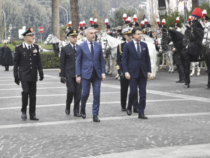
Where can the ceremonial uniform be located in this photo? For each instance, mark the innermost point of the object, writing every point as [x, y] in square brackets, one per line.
[109, 32]
[26, 64]
[124, 83]
[195, 45]
[178, 63]
[68, 76]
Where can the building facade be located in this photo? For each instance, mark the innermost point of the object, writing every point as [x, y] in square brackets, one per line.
[171, 5]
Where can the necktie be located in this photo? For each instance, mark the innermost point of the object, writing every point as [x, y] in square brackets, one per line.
[74, 47]
[138, 49]
[92, 50]
[29, 48]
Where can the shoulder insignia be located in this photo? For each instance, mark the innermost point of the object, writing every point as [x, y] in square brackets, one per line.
[120, 49]
[18, 45]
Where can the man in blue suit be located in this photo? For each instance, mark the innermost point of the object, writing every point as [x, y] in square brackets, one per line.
[137, 68]
[90, 68]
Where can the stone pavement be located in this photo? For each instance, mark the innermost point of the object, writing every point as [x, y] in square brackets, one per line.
[178, 124]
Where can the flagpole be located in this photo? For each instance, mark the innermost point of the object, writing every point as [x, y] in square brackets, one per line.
[185, 12]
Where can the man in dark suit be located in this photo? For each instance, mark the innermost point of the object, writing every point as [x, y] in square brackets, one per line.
[90, 68]
[26, 64]
[137, 68]
[124, 83]
[67, 72]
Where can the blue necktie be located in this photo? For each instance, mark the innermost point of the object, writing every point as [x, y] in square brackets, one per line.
[92, 50]
[138, 49]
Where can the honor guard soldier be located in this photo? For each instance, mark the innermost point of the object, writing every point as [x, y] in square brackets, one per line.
[67, 73]
[26, 64]
[109, 32]
[177, 60]
[124, 83]
[195, 46]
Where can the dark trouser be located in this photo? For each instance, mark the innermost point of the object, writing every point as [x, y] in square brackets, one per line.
[124, 83]
[96, 83]
[73, 91]
[29, 90]
[142, 82]
[180, 68]
[6, 68]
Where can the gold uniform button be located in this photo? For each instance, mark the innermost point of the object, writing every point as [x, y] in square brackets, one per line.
[31, 67]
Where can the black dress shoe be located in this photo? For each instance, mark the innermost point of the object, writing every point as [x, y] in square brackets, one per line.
[34, 118]
[187, 86]
[142, 116]
[129, 111]
[178, 81]
[77, 115]
[67, 111]
[182, 81]
[24, 116]
[96, 119]
[124, 109]
[135, 110]
[83, 114]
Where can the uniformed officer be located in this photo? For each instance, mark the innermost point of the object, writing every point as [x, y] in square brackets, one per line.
[109, 32]
[26, 64]
[67, 73]
[177, 60]
[124, 83]
[195, 46]
[149, 30]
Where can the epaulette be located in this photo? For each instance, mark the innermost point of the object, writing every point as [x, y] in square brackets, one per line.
[18, 45]
[120, 49]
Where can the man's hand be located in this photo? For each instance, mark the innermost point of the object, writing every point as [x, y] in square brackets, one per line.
[174, 49]
[103, 77]
[127, 76]
[41, 77]
[78, 79]
[17, 80]
[63, 80]
[149, 76]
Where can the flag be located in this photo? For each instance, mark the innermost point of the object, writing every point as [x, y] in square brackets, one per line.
[185, 12]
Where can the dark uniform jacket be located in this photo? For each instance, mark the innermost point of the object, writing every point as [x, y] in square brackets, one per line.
[7, 59]
[68, 61]
[119, 57]
[26, 63]
[197, 24]
[195, 46]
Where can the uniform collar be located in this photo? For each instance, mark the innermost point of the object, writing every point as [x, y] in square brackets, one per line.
[72, 45]
[27, 45]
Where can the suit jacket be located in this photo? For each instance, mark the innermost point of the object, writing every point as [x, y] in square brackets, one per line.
[26, 63]
[68, 61]
[86, 63]
[120, 49]
[132, 63]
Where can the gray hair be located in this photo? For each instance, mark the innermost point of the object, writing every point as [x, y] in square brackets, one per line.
[89, 28]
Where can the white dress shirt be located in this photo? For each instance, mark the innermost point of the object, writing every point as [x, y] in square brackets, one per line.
[89, 45]
[135, 44]
[27, 45]
[73, 45]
